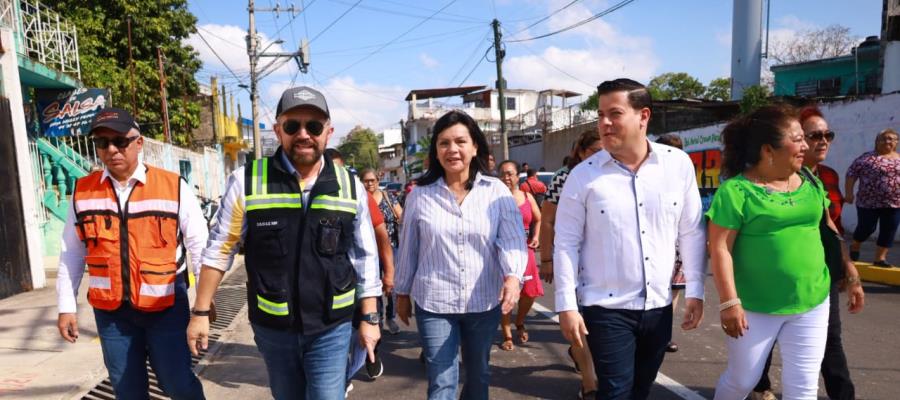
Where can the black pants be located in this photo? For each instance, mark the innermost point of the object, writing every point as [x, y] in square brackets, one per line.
[627, 347]
[887, 220]
[835, 372]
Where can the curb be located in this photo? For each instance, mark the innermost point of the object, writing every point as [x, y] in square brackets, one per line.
[870, 273]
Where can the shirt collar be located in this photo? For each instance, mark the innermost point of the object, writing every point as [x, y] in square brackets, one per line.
[479, 177]
[602, 157]
[140, 175]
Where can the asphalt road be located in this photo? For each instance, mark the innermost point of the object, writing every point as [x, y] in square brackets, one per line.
[541, 368]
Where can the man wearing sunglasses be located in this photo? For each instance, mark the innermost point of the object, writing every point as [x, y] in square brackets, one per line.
[310, 255]
[130, 224]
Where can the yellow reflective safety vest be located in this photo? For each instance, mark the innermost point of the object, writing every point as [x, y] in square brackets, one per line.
[300, 277]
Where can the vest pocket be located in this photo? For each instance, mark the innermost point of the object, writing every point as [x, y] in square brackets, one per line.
[99, 282]
[340, 295]
[270, 308]
[156, 289]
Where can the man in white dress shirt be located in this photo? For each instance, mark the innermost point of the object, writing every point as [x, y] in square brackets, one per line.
[640, 198]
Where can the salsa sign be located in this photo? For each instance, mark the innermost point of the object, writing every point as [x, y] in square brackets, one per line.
[71, 113]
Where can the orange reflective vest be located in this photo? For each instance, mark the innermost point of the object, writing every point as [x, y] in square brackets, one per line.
[132, 253]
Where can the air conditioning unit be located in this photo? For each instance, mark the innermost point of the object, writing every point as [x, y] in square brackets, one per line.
[893, 8]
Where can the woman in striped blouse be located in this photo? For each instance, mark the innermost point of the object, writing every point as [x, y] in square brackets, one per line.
[462, 257]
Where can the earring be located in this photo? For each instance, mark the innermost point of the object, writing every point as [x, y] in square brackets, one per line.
[771, 161]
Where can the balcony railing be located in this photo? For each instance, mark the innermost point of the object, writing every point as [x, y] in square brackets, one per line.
[42, 34]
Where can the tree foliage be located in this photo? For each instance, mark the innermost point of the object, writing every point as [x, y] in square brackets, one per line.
[103, 50]
[719, 89]
[591, 103]
[675, 85]
[754, 97]
[360, 148]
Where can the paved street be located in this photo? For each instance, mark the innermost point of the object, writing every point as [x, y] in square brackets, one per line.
[36, 364]
[542, 369]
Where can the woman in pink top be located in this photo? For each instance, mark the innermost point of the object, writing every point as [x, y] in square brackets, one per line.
[532, 287]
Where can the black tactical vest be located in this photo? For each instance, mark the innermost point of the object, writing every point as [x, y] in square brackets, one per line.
[299, 273]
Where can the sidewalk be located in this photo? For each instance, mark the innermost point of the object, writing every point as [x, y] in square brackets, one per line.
[37, 362]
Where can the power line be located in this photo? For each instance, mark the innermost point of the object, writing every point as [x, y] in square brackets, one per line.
[394, 12]
[335, 21]
[476, 66]
[469, 59]
[579, 23]
[366, 57]
[545, 61]
[547, 17]
[218, 57]
[442, 34]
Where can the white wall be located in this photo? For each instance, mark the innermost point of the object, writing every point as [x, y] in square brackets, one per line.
[12, 89]
[856, 122]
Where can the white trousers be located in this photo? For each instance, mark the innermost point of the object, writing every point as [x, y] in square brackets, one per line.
[801, 338]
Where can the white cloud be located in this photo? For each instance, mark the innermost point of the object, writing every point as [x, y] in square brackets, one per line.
[351, 103]
[604, 53]
[428, 61]
[230, 44]
[794, 23]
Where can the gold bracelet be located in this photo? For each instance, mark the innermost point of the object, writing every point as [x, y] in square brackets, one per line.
[851, 280]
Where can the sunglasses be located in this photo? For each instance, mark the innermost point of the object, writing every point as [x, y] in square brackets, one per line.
[820, 135]
[292, 126]
[121, 142]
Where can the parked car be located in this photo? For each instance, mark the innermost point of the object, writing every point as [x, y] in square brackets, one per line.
[394, 188]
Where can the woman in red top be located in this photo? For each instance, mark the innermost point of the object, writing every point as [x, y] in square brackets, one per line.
[532, 287]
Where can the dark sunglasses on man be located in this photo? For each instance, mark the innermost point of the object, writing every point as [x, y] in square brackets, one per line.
[816, 136]
[292, 126]
[121, 142]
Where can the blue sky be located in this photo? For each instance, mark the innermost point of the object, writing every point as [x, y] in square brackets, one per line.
[369, 59]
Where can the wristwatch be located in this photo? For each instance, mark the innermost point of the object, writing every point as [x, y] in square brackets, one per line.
[371, 318]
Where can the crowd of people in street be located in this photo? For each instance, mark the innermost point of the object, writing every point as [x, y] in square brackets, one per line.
[332, 260]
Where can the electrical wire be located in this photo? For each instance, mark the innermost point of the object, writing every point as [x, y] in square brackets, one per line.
[466, 20]
[545, 61]
[220, 58]
[398, 37]
[547, 17]
[579, 23]
[469, 59]
[476, 66]
[335, 21]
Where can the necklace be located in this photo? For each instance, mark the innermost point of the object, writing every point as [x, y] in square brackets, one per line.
[770, 188]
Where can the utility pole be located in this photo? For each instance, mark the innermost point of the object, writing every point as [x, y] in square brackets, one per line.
[214, 93]
[301, 56]
[134, 110]
[163, 95]
[499, 53]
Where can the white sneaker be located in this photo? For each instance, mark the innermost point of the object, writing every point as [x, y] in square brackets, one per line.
[349, 389]
[392, 326]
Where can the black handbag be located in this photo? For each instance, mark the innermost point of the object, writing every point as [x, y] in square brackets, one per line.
[831, 241]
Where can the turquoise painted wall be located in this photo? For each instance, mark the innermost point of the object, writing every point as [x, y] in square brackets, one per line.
[787, 77]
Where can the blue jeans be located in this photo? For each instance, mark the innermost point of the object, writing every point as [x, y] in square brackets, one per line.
[128, 337]
[305, 366]
[442, 335]
[627, 347]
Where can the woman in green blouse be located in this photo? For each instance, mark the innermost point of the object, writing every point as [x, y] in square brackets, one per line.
[767, 255]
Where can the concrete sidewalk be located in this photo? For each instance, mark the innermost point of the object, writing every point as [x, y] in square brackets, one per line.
[36, 362]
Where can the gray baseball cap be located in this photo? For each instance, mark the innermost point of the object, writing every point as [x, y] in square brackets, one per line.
[302, 96]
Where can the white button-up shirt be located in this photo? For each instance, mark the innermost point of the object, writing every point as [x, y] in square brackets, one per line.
[454, 257]
[191, 224]
[616, 232]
